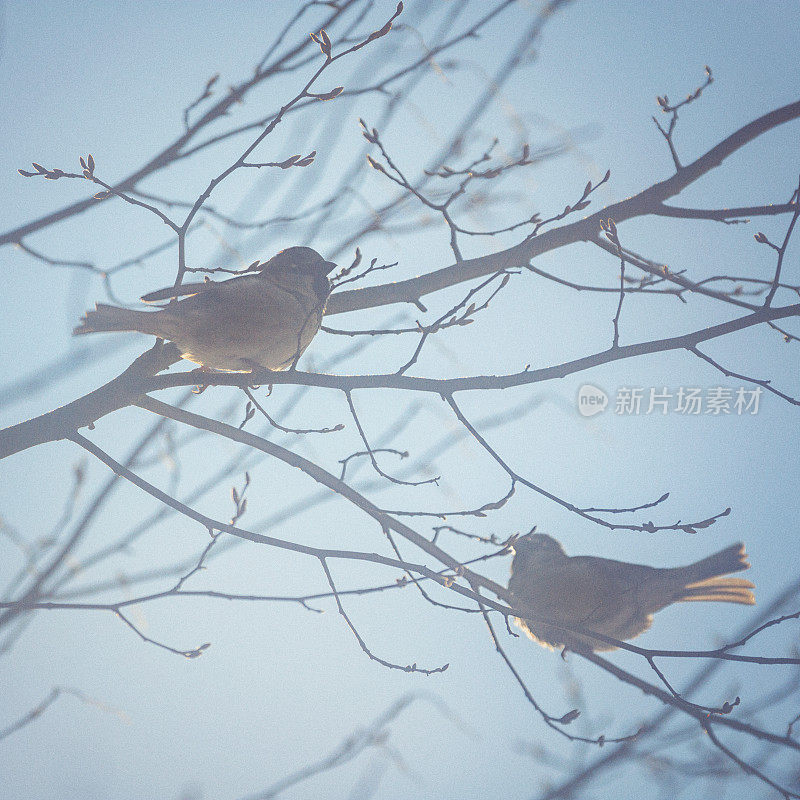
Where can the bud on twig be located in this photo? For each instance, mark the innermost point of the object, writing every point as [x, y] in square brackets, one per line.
[387, 27]
[375, 165]
[328, 95]
[323, 41]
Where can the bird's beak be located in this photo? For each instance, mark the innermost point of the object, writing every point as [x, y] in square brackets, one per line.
[329, 266]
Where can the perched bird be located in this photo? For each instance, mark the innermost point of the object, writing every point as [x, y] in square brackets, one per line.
[612, 598]
[265, 317]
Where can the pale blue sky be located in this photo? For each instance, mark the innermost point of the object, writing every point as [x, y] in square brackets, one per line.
[281, 686]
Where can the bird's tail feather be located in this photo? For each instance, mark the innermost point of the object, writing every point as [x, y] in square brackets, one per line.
[721, 590]
[114, 318]
[731, 559]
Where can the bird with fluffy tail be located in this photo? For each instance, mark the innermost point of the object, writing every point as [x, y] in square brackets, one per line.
[612, 598]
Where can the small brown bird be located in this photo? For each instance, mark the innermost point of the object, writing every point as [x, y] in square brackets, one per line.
[612, 598]
[265, 317]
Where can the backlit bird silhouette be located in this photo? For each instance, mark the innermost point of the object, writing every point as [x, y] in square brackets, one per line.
[263, 318]
[612, 598]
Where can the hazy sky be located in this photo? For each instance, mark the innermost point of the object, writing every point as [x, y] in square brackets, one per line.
[281, 686]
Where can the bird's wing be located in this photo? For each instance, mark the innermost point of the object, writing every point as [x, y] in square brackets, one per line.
[237, 305]
[588, 588]
[599, 594]
[617, 582]
[627, 596]
[200, 288]
[178, 291]
[197, 296]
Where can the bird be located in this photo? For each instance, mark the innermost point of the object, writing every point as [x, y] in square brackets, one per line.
[264, 317]
[612, 598]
